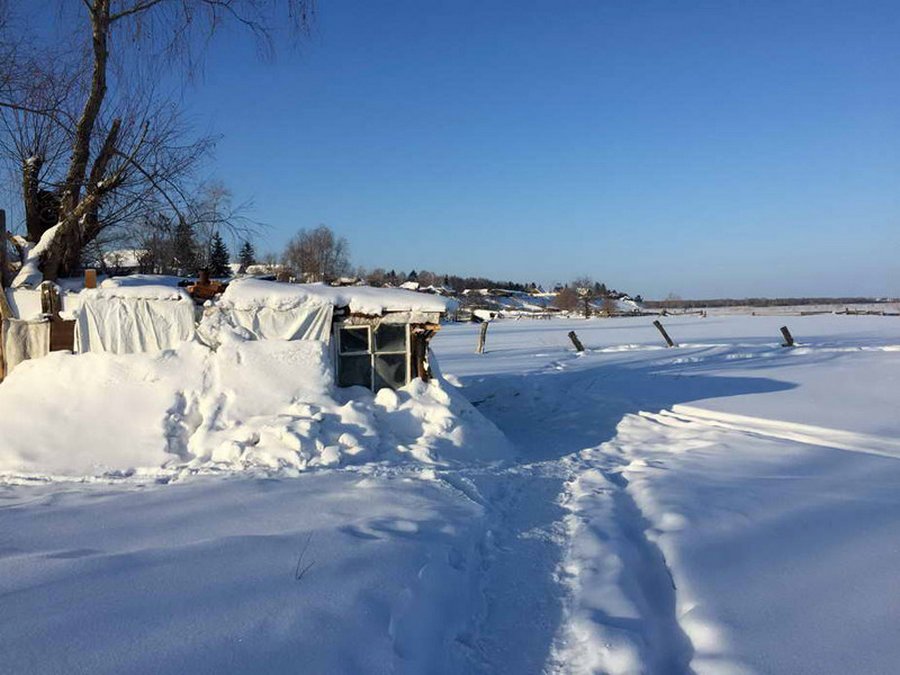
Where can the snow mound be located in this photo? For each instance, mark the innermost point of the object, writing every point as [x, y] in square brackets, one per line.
[266, 405]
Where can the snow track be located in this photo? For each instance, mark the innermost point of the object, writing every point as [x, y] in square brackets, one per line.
[621, 614]
[788, 431]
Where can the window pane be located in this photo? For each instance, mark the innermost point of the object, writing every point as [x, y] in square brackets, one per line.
[390, 338]
[355, 370]
[390, 371]
[354, 339]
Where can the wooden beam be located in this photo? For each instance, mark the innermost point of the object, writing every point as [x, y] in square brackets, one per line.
[659, 327]
[4, 261]
[575, 341]
[51, 304]
[5, 309]
[788, 338]
[482, 337]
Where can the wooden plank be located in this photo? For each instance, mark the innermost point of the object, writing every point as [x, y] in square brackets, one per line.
[4, 262]
[788, 338]
[51, 304]
[5, 310]
[669, 341]
[62, 335]
[482, 337]
[575, 341]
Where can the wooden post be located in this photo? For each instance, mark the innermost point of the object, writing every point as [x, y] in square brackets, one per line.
[90, 278]
[50, 301]
[575, 341]
[663, 332]
[482, 336]
[788, 338]
[4, 263]
[5, 310]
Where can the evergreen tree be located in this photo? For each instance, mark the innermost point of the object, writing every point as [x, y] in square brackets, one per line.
[185, 249]
[247, 256]
[412, 276]
[218, 257]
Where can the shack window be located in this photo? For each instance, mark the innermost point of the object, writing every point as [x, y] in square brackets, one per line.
[373, 357]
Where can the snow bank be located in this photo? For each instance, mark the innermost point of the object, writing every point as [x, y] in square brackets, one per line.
[249, 294]
[97, 413]
[270, 405]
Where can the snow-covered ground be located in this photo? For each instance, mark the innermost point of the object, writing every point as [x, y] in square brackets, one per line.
[726, 506]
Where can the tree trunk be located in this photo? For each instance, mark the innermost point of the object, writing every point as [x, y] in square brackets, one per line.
[30, 194]
[81, 146]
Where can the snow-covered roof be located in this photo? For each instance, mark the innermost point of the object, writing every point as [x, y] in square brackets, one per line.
[257, 293]
[138, 287]
[142, 280]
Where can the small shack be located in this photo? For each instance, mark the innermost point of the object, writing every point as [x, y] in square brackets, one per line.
[379, 336]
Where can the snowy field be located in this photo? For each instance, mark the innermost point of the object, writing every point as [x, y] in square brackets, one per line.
[727, 506]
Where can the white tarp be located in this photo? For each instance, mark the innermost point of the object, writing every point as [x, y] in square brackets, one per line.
[127, 324]
[306, 322]
[23, 340]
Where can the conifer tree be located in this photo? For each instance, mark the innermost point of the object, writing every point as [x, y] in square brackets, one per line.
[247, 256]
[218, 257]
[185, 249]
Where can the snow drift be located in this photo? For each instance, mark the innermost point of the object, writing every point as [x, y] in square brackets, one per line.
[268, 405]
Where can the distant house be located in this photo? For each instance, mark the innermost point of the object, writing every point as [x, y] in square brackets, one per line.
[122, 262]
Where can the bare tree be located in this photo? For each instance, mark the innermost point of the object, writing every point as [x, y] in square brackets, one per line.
[376, 277]
[586, 289]
[101, 155]
[317, 255]
[566, 299]
[673, 300]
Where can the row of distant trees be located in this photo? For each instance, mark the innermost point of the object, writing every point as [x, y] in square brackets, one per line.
[584, 295]
[175, 248]
[170, 246]
[319, 254]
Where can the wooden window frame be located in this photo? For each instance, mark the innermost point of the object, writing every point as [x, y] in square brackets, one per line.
[372, 350]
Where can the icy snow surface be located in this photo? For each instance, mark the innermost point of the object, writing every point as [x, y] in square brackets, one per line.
[727, 506]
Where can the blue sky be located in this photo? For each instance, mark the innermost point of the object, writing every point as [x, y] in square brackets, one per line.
[704, 148]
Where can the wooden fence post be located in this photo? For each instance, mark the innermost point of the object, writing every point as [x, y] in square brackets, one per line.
[482, 336]
[50, 301]
[663, 332]
[4, 263]
[788, 338]
[5, 312]
[575, 341]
